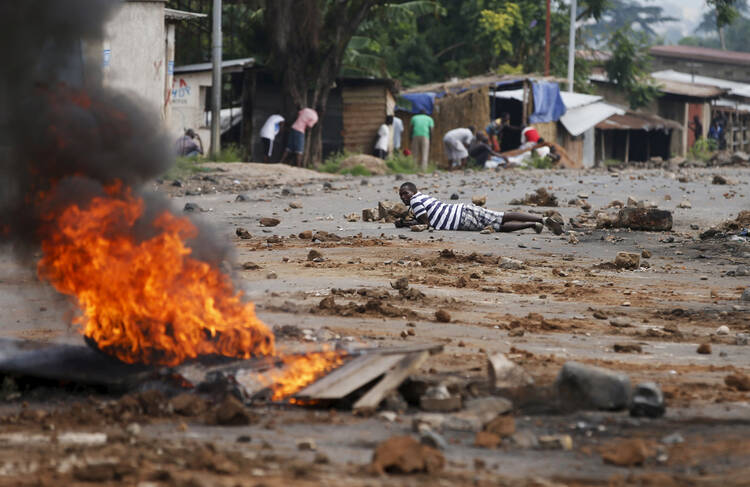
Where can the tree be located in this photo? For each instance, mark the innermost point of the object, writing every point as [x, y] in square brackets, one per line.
[628, 14]
[725, 12]
[629, 67]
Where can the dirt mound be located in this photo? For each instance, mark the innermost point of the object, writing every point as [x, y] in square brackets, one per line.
[374, 165]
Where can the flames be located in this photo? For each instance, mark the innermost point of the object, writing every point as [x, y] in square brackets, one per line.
[146, 299]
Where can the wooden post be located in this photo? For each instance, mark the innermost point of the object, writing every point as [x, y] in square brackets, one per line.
[627, 145]
[603, 134]
[648, 145]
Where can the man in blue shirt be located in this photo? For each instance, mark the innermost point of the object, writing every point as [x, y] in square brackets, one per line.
[441, 216]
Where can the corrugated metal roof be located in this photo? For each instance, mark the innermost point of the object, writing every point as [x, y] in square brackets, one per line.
[578, 120]
[637, 121]
[571, 100]
[673, 87]
[172, 14]
[228, 65]
[476, 82]
[694, 53]
[735, 88]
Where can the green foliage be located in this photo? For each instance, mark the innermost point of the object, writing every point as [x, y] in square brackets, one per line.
[508, 69]
[332, 164]
[185, 167]
[725, 11]
[537, 162]
[400, 163]
[397, 163]
[496, 27]
[230, 153]
[629, 67]
[703, 149]
[628, 14]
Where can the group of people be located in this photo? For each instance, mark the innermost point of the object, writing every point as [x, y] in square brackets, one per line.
[716, 131]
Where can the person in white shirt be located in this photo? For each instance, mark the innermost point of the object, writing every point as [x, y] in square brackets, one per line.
[268, 134]
[398, 129]
[384, 133]
[456, 144]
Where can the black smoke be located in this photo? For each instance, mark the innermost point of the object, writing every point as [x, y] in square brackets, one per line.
[64, 137]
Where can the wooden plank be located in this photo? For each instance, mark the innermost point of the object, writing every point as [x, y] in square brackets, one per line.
[349, 377]
[391, 381]
[432, 348]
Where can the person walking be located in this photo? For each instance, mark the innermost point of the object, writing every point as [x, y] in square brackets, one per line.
[306, 119]
[421, 133]
[384, 134]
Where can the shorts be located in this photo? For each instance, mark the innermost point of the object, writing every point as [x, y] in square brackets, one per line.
[475, 218]
[267, 146]
[296, 142]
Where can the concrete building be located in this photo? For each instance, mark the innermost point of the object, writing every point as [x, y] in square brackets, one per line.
[728, 65]
[138, 51]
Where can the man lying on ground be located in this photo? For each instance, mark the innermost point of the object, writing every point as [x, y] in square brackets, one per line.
[441, 216]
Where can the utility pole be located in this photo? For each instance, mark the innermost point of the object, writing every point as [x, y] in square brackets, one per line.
[572, 45]
[216, 44]
[546, 41]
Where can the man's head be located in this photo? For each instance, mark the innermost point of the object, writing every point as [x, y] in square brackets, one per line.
[472, 129]
[505, 116]
[406, 191]
[423, 112]
[482, 137]
[389, 120]
[696, 119]
[190, 133]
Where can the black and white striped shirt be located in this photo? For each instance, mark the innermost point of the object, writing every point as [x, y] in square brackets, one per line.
[441, 216]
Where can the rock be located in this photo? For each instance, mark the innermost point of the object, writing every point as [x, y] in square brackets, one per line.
[648, 401]
[501, 426]
[646, 254]
[627, 348]
[504, 374]
[400, 284]
[419, 228]
[738, 381]
[454, 196]
[177, 183]
[439, 391]
[620, 323]
[389, 416]
[541, 197]
[511, 264]
[525, 439]
[272, 275]
[479, 200]
[704, 349]
[722, 330]
[306, 235]
[368, 215]
[627, 453]
[133, 429]
[390, 211]
[432, 439]
[243, 233]
[741, 338]
[673, 439]
[631, 202]
[741, 271]
[405, 455]
[231, 412]
[242, 198]
[581, 386]
[351, 217]
[745, 295]
[483, 439]
[440, 405]
[645, 219]
[295, 205]
[269, 222]
[685, 204]
[314, 254]
[719, 179]
[250, 266]
[188, 404]
[627, 260]
[373, 165]
[307, 444]
[191, 207]
[556, 442]
[442, 316]
[395, 402]
[488, 408]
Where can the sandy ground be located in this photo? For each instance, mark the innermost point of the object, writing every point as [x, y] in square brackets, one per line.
[559, 307]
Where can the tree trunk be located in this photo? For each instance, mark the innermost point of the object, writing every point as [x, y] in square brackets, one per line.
[721, 38]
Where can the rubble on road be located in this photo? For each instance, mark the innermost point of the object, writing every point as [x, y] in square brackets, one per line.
[541, 197]
[390, 211]
[582, 386]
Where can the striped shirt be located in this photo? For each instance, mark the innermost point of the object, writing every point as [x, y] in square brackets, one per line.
[441, 216]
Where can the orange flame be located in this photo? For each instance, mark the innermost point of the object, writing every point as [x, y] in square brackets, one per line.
[299, 371]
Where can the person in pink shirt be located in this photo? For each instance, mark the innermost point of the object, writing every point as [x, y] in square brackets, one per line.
[306, 118]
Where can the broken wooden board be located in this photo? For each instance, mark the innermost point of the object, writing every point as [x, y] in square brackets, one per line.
[350, 376]
[406, 366]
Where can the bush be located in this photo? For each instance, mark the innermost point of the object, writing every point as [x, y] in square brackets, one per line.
[537, 162]
[400, 163]
[185, 167]
[703, 149]
[397, 163]
[230, 153]
[332, 164]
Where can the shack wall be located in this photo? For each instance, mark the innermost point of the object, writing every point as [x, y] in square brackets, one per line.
[364, 109]
[189, 105]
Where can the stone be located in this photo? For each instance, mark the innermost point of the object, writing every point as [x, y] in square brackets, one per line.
[745, 295]
[351, 217]
[484, 439]
[440, 404]
[295, 205]
[488, 407]
[454, 196]
[627, 348]
[525, 439]
[395, 402]
[369, 214]
[646, 254]
[741, 271]
[231, 412]
[269, 222]
[400, 284]
[511, 264]
[272, 275]
[722, 330]
[673, 439]
[738, 381]
[250, 266]
[718, 179]
[419, 228]
[504, 374]
[620, 323]
[191, 207]
[432, 439]
[502, 426]
[390, 211]
[741, 338]
[645, 219]
[704, 349]
[582, 386]
[479, 200]
[556, 442]
[314, 254]
[242, 198]
[631, 202]
[627, 453]
[685, 204]
[306, 235]
[405, 455]
[442, 316]
[188, 404]
[307, 444]
[389, 416]
[648, 401]
[627, 260]
[243, 233]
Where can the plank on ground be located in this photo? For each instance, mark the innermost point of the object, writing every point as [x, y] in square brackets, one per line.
[405, 367]
[350, 376]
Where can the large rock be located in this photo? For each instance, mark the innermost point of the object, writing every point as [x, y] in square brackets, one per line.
[504, 374]
[373, 165]
[648, 219]
[405, 455]
[648, 400]
[627, 260]
[390, 211]
[582, 386]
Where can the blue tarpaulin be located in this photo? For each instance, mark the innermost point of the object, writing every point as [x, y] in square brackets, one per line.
[419, 102]
[548, 104]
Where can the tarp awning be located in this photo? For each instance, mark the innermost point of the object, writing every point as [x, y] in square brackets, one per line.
[578, 120]
[548, 104]
[638, 121]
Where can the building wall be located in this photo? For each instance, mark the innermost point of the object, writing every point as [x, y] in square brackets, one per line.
[189, 105]
[720, 70]
[676, 110]
[364, 110]
[137, 60]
